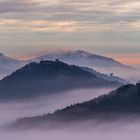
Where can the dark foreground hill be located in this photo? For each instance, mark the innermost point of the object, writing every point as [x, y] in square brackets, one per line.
[46, 77]
[123, 102]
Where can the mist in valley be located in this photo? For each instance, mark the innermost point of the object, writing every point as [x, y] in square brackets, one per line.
[85, 131]
[89, 130]
[69, 69]
[16, 109]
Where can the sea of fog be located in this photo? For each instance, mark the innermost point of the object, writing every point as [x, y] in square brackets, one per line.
[83, 131]
[115, 131]
[13, 110]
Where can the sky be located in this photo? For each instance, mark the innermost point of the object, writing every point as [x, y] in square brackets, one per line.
[106, 27]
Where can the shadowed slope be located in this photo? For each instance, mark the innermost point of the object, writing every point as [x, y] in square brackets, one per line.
[45, 77]
[119, 104]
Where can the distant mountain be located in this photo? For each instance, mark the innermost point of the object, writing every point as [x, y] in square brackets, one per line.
[81, 58]
[86, 59]
[8, 65]
[36, 79]
[121, 103]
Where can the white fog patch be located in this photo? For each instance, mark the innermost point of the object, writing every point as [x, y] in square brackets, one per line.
[12, 111]
[105, 131]
[131, 76]
[122, 130]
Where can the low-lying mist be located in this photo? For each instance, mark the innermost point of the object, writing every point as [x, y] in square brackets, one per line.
[14, 110]
[89, 131]
[129, 75]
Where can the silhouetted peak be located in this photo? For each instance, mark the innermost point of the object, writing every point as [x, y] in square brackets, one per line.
[50, 62]
[126, 90]
[105, 107]
[126, 87]
[46, 77]
[51, 68]
[57, 63]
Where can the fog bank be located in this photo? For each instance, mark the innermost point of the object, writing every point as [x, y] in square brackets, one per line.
[14, 110]
[105, 131]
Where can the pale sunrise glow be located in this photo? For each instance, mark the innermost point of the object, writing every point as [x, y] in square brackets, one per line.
[69, 69]
[32, 26]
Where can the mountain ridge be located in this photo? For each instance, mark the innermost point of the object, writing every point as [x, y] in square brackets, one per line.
[81, 58]
[121, 103]
[66, 56]
[47, 77]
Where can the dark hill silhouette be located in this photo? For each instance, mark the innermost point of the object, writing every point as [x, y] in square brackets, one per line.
[45, 77]
[123, 102]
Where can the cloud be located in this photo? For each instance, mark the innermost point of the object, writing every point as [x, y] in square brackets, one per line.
[9, 6]
[102, 14]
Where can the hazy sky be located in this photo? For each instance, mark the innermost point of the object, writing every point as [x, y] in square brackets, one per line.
[107, 27]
